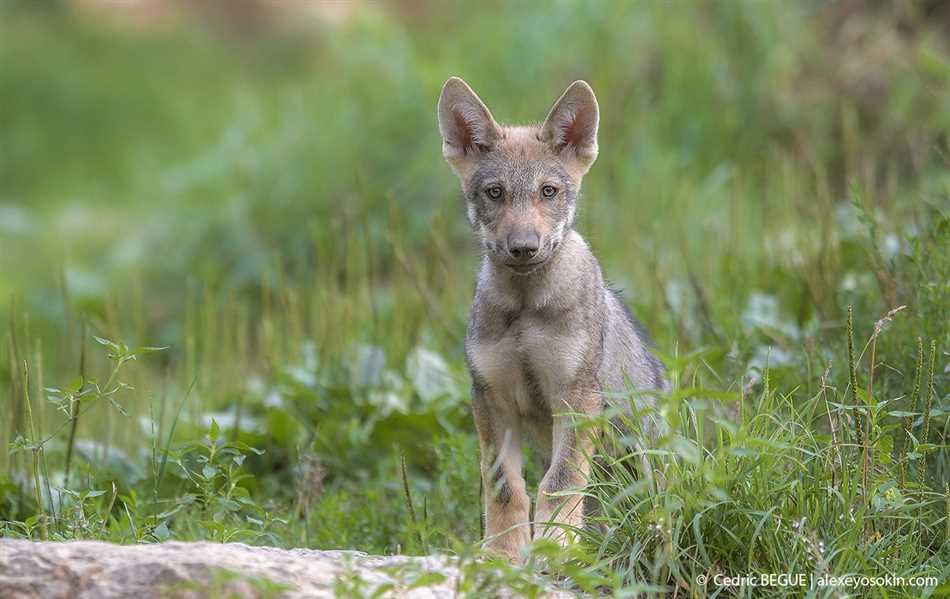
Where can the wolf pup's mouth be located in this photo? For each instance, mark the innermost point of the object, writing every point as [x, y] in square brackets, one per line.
[525, 269]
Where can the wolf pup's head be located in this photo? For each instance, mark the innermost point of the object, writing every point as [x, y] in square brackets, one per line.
[520, 183]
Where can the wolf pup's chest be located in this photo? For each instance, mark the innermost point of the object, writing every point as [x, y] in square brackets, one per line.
[531, 359]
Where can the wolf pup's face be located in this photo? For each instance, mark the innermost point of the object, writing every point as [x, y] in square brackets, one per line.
[520, 183]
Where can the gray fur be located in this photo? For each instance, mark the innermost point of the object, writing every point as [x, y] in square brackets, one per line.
[547, 336]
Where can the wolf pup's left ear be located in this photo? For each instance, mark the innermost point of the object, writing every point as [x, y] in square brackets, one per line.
[571, 126]
[466, 124]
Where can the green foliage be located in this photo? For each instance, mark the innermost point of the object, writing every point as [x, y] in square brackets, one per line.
[781, 488]
[222, 509]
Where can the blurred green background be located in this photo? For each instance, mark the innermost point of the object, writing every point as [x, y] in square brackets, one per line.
[259, 187]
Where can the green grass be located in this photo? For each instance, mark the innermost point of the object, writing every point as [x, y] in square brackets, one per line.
[268, 203]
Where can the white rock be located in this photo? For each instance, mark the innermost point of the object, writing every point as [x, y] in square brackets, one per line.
[92, 569]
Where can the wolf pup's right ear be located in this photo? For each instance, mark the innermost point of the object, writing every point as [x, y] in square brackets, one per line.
[466, 124]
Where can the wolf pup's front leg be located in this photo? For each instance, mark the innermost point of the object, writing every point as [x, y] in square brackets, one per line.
[507, 528]
[558, 512]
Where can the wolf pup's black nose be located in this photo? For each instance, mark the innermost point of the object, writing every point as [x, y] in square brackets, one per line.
[523, 245]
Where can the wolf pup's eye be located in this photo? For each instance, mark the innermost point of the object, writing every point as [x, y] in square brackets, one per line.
[494, 192]
[548, 191]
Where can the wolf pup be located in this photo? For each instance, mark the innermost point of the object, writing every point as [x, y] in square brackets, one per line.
[546, 335]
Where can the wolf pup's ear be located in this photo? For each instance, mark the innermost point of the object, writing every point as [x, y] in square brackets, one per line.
[571, 126]
[465, 122]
